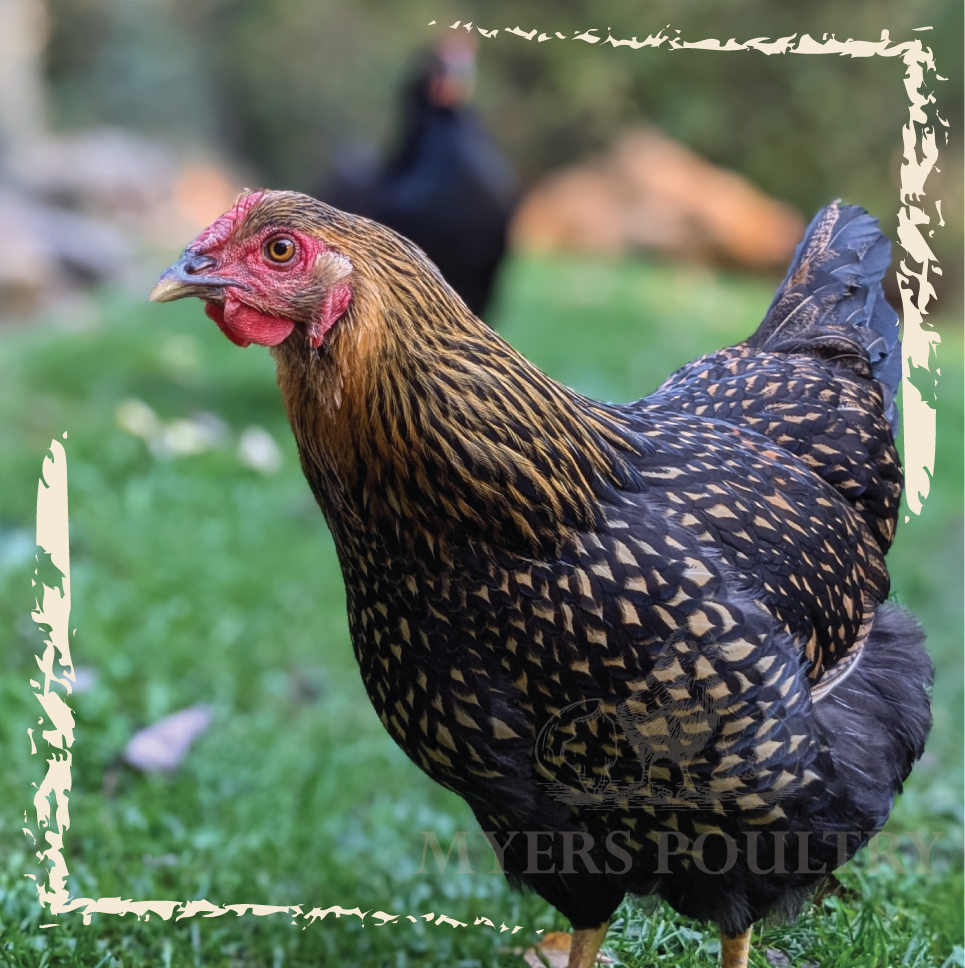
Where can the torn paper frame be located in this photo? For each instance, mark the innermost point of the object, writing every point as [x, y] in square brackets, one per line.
[51, 799]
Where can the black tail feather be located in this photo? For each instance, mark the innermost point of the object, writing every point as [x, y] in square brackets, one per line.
[831, 303]
[876, 721]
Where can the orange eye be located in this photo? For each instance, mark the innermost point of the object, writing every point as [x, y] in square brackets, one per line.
[280, 249]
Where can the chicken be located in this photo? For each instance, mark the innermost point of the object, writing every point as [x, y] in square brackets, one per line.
[447, 188]
[648, 643]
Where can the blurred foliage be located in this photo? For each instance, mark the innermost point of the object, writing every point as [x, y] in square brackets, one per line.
[285, 85]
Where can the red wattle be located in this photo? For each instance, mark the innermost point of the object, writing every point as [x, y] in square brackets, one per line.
[216, 312]
[244, 325]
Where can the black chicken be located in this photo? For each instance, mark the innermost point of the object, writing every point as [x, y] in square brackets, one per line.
[648, 643]
[447, 188]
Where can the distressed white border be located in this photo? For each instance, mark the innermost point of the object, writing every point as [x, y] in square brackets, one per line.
[920, 155]
[53, 537]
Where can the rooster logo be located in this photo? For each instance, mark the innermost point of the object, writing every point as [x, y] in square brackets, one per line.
[668, 723]
[559, 753]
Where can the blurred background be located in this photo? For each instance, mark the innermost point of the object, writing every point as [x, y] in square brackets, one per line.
[659, 193]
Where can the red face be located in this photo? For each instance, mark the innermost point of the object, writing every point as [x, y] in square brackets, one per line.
[257, 286]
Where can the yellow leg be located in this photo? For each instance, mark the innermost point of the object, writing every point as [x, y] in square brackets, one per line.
[586, 946]
[735, 949]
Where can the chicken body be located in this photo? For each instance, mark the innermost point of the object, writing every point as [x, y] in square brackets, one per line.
[648, 643]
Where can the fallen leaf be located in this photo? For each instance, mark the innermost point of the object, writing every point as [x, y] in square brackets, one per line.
[162, 747]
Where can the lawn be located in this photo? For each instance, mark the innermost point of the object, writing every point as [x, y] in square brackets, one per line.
[197, 579]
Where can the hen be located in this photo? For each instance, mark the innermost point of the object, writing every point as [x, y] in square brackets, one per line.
[648, 643]
[447, 188]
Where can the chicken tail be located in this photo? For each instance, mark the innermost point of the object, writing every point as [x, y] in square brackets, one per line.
[875, 721]
[831, 304]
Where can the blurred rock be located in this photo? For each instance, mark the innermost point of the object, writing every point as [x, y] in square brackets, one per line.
[105, 172]
[651, 194]
[89, 207]
[90, 249]
[162, 747]
[43, 248]
[129, 180]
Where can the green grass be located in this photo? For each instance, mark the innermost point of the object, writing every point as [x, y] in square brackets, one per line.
[197, 579]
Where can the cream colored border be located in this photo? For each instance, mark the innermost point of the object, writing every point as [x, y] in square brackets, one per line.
[920, 154]
[52, 608]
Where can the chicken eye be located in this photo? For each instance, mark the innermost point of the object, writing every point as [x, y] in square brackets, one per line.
[280, 250]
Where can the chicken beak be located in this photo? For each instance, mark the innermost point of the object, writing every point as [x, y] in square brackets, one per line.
[187, 278]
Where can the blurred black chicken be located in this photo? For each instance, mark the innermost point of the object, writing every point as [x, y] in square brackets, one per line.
[447, 188]
[648, 643]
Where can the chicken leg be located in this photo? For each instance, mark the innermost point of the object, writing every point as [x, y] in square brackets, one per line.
[586, 946]
[735, 949]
